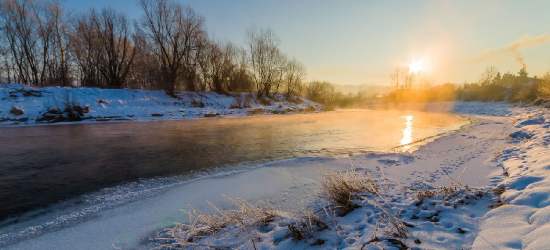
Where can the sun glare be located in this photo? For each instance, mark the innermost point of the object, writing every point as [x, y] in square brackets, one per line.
[416, 66]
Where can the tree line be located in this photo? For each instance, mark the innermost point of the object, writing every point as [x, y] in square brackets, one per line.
[509, 87]
[167, 48]
[491, 86]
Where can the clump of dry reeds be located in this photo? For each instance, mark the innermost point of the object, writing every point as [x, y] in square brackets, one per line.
[305, 227]
[344, 189]
[340, 189]
[240, 222]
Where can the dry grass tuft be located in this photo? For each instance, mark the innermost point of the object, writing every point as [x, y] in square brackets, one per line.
[341, 188]
[306, 226]
[391, 217]
[446, 191]
[240, 222]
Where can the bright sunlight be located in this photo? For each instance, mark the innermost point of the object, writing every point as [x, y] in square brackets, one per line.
[416, 66]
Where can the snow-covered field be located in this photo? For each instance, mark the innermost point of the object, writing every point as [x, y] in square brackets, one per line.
[21, 105]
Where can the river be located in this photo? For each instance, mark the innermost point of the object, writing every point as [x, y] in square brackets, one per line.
[41, 166]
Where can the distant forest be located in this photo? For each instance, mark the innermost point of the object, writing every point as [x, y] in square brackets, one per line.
[168, 48]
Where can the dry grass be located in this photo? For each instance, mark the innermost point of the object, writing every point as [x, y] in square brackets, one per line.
[497, 192]
[391, 217]
[445, 191]
[340, 189]
[240, 222]
[305, 227]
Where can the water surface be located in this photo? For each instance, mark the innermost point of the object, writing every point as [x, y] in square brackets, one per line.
[42, 165]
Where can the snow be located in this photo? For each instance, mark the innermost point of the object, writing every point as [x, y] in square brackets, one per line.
[505, 147]
[135, 105]
[127, 225]
[523, 224]
[468, 153]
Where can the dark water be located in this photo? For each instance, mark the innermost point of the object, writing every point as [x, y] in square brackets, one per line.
[42, 165]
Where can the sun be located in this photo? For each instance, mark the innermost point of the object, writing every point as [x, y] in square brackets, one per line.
[416, 66]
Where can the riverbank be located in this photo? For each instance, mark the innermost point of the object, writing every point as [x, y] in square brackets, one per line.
[477, 154]
[485, 187]
[23, 105]
[455, 175]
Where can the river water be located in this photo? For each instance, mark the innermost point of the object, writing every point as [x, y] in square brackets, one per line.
[44, 165]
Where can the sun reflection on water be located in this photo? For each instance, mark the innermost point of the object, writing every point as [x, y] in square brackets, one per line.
[407, 132]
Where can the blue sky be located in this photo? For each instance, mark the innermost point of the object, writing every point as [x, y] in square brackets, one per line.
[355, 42]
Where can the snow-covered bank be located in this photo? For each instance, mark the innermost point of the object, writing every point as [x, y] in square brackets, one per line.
[480, 155]
[524, 222]
[440, 222]
[20, 105]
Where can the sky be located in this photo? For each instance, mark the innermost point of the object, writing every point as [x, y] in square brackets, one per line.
[362, 42]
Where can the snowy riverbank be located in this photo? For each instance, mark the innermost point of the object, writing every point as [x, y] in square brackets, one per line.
[524, 222]
[498, 196]
[450, 221]
[502, 202]
[22, 105]
[502, 157]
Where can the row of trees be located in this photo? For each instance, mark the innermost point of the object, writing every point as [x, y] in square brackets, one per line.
[402, 79]
[167, 48]
[325, 93]
[509, 87]
[491, 86]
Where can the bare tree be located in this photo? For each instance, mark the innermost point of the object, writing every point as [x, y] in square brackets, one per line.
[36, 35]
[217, 65]
[59, 68]
[86, 50]
[5, 59]
[104, 50]
[241, 79]
[281, 64]
[401, 79]
[144, 73]
[171, 33]
[115, 50]
[28, 37]
[265, 58]
[488, 75]
[294, 74]
[395, 77]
